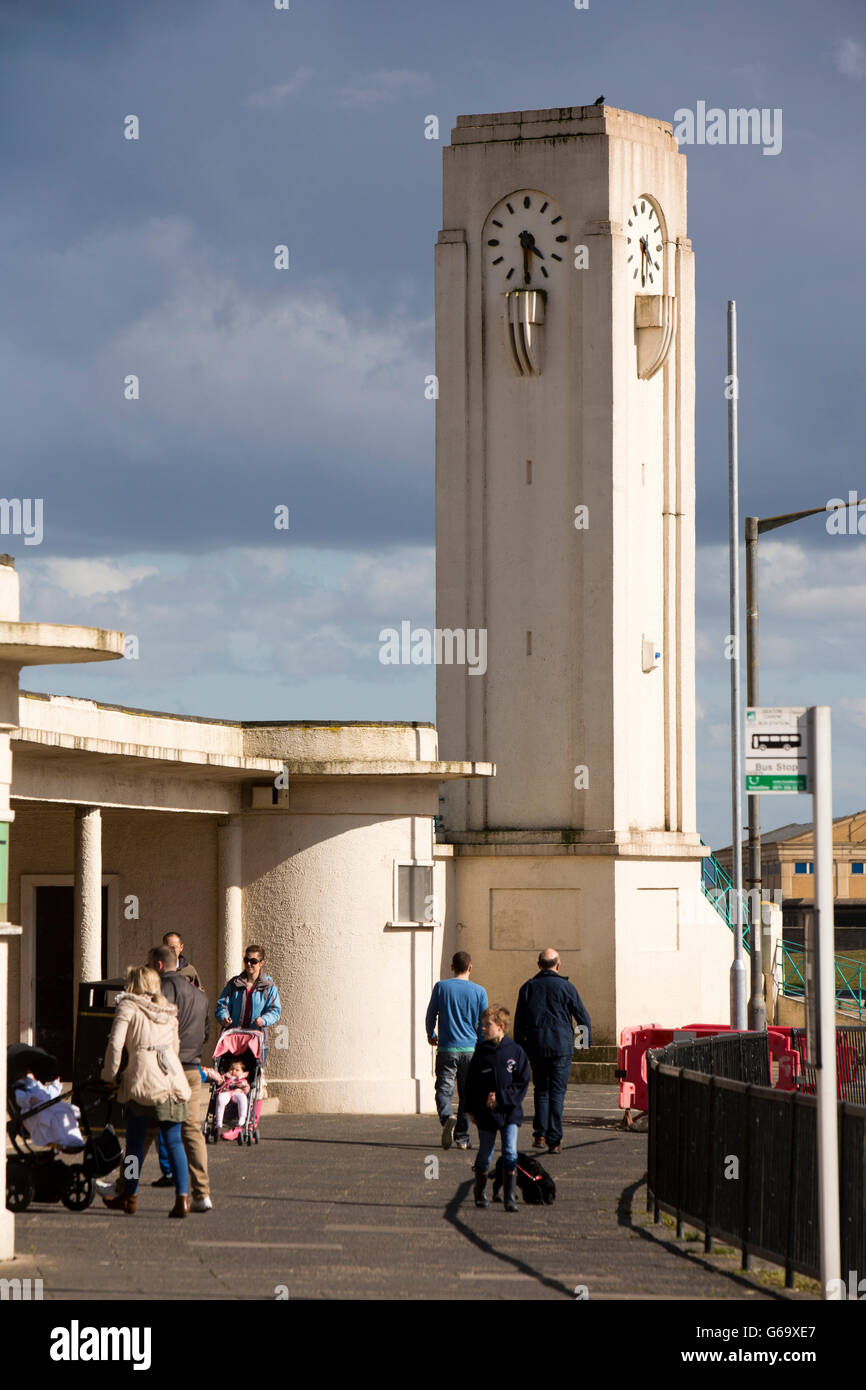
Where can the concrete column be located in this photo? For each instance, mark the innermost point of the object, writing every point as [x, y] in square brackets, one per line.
[87, 895]
[7, 1220]
[771, 927]
[230, 942]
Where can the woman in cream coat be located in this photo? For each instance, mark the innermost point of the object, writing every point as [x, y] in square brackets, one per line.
[152, 1086]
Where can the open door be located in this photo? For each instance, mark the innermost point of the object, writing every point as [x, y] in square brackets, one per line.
[54, 1001]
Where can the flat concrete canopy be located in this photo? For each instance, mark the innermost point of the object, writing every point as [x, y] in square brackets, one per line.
[50, 644]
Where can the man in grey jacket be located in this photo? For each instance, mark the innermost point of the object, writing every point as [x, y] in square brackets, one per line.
[193, 1022]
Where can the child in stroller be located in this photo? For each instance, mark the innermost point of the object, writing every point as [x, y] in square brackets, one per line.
[45, 1114]
[38, 1115]
[233, 1085]
[236, 1087]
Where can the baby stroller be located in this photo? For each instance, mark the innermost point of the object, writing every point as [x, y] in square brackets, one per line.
[39, 1174]
[246, 1045]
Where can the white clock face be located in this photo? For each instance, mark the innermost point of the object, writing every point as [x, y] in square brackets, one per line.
[525, 241]
[644, 248]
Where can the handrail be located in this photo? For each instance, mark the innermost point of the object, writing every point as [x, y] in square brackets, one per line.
[718, 887]
[848, 978]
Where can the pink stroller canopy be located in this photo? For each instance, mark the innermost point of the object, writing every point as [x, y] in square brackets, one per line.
[234, 1041]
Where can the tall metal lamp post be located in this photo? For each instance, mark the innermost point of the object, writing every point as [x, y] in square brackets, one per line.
[756, 526]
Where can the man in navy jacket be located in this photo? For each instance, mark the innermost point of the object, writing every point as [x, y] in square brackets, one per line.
[543, 1026]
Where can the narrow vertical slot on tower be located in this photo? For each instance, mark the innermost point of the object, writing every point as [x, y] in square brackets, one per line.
[529, 644]
[529, 470]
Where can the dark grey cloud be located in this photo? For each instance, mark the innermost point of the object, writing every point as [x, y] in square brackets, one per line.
[306, 387]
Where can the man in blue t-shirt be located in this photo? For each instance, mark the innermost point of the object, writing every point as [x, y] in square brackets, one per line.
[458, 1005]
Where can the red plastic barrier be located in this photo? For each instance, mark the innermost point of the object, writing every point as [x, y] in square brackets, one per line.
[634, 1043]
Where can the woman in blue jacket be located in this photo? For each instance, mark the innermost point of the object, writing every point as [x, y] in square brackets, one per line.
[496, 1084]
[250, 1000]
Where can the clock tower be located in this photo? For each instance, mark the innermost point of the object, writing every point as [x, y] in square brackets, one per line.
[565, 530]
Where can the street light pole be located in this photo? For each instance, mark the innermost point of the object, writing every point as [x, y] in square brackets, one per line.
[738, 968]
[757, 1006]
[755, 527]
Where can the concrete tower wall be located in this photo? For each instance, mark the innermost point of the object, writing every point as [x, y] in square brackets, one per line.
[586, 837]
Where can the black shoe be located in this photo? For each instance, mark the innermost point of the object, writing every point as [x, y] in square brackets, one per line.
[481, 1198]
[163, 1182]
[448, 1131]
[462, 1144]
[509, 1184]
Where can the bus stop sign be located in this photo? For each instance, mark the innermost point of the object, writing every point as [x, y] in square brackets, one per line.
[777, 750]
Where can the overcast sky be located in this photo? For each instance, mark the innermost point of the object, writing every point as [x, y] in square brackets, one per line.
[305, 387]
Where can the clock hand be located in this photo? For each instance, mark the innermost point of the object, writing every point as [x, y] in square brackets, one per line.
[527, 242]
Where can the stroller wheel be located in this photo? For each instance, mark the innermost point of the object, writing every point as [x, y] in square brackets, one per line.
[240, 1139]
[20, 1188]
[79, 1190]
[256, 1137]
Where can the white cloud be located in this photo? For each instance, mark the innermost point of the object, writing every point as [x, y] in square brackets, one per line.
[783, 564]
[270, 98]
[812, 612]
[386, 85]
[850, 57]
[87, 578]
[270, 618]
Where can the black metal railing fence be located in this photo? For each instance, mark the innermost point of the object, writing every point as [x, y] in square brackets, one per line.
[738, 1160]
[850, 1063]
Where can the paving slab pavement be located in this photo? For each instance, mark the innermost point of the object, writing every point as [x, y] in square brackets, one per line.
[372, 1207]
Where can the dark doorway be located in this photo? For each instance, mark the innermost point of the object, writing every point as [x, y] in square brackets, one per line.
[54, 996]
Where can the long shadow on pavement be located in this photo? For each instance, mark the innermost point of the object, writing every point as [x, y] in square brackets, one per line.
[380, 1144]
[624, 1218]
[353, 1143]
[452, 1216]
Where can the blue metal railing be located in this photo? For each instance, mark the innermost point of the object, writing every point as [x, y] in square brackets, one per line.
[718, 886]
[849, 978]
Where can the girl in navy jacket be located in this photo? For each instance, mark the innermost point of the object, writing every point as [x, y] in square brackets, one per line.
[497, 1082]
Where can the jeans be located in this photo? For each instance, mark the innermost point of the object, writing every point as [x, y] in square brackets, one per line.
[164, 1160]
[487, 1143]
[550, 1079]
[451, 1067]
[136, 1134]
